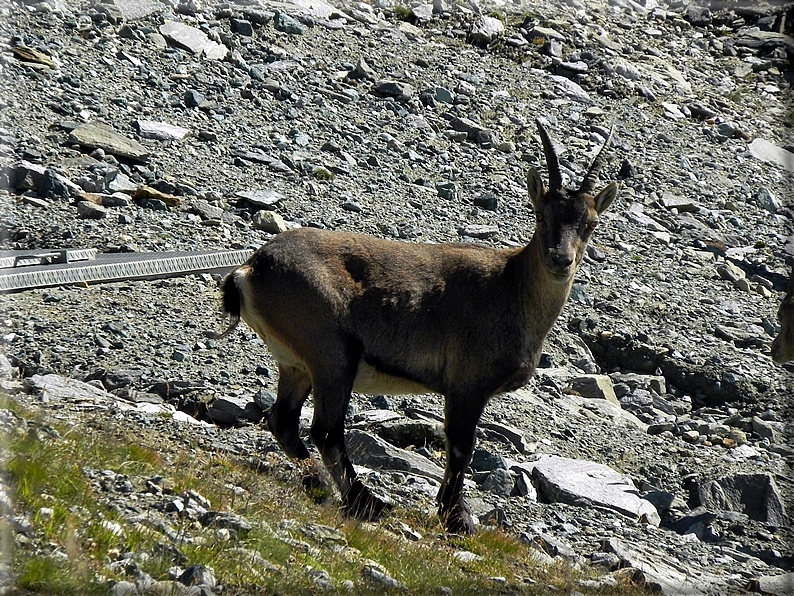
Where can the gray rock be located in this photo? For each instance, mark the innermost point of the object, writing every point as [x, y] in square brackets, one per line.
[756, 495]
[444, 95]
[362, 71]
[499, 482]
[679, 203]
[475, 132]
[572, 90]
[54, 186]
[206, 211]
[224, 519]
[192, 39]
[374, 452]
[264, 399]
[585, 483]
[324, 535]
[486, 461]
[396, 89]
[133, 10]
[24, 175]
[269, 221]
[6, 370]
[478, 231]
[98, 135]
[594, 386]
[697, 522]
[767, 200]
[656, 573]
[374, 573]
[232, 410]
[767, 429]
[55, 388]
[485, 30]
[242, 27]
[403, 433]
[730, 272]
[161, 131]
[776, 585]
[769, 152]
[286, 24]
[264, 199]
[89, 210]
[505, 433]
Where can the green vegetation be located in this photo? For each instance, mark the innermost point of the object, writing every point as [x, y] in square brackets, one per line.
[77, 534]
[402, 13]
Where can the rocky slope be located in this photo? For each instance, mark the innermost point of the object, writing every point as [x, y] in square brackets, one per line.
[147, 126]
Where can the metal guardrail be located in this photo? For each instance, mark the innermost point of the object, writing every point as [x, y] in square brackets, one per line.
[109, 267]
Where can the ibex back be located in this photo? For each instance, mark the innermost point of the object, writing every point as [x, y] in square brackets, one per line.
[344, 312]
[783, 346]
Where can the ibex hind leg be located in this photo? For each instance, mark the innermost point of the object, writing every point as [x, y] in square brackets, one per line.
[331, 398]
[283, 421]
[461, 418]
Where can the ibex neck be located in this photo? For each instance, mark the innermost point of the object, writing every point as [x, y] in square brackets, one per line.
[544, 296]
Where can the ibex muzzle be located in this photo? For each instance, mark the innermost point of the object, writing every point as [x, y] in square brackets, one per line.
[343, 312]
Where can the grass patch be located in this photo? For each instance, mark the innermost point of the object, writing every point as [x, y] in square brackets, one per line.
[83, 535]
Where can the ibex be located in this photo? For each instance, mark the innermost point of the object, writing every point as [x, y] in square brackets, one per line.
[783, 346]
[344, 312]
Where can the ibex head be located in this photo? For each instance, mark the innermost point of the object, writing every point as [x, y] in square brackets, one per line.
[566, 218]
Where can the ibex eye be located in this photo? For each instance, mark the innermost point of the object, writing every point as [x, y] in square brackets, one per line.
[538, 216]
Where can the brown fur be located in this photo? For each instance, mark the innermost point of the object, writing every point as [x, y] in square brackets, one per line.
[342, 311]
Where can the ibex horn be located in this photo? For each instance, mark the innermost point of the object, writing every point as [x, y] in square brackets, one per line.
[589, 182]
[555, 178]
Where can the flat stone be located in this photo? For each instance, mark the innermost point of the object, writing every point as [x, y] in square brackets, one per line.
[192, 39]
[755, 495]
[771, 153]
[656, 573]
[776, 585]
[478, 231]
[405, 432]
[89, 210]
[509, 434]
[161, 131]
[586, 483]
[571, 89]
[475, 132]
[133, 10]
[679, 203]
[97, 135]
[206, 211]
[594, 386]
[264, 199]
[373, 452]
[269, 221]
[396, 89]
[231, 410]
[24, 175]
[286, 24]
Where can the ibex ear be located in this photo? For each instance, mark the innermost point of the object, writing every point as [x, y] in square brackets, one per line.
[535, 187]
[604, 199]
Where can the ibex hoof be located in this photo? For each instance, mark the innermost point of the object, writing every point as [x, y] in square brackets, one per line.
[315, 482]
[359, 502]
[458, 519]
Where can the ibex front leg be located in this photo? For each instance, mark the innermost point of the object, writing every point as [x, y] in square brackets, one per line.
[461, 418]
[331, 398]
